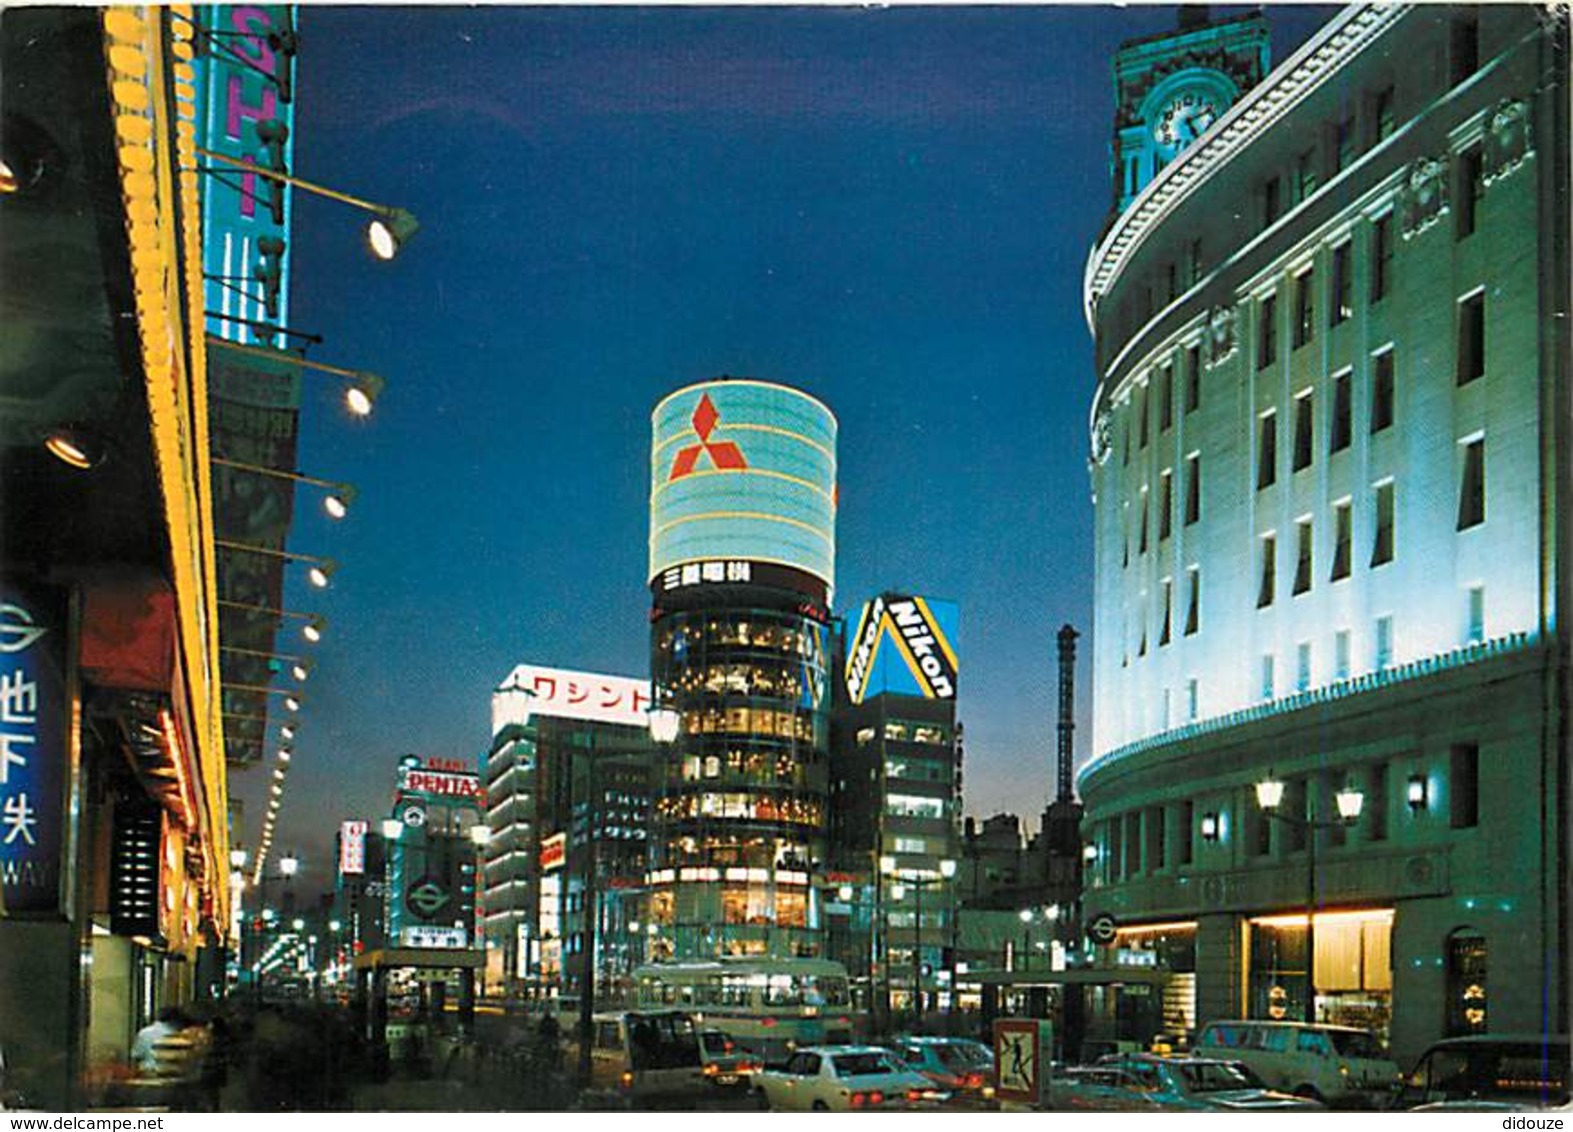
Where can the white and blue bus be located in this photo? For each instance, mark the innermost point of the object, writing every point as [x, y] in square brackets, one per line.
[768, 1006]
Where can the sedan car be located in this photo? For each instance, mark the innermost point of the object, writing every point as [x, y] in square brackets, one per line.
[1151, 1083]
[726, 1064]
[844, 1079]
[960, 1066]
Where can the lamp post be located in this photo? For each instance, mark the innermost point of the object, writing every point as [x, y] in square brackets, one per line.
[1025, 915]
[1350, 801]
[918, 882]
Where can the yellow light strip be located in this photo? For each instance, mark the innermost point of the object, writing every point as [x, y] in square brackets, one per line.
[749, 471]
[760, 515]
[1354, 916]
[939, 634]
[1155, 929]
[155, 136]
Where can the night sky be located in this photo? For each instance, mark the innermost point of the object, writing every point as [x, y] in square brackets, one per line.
[889, 208]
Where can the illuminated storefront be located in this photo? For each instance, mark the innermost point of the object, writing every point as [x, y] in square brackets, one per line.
[1353, 982]
[741, 567]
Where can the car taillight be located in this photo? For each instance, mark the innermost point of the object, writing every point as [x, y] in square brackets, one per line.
[628, 1080]
[914, 1095]
[711, 1069]
[876, 1098]
[974, 1080]
[767, 1022]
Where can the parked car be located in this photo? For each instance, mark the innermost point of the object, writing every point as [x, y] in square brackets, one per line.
[726, 1064]
[844, 1079]
[960, 1066]
[1507, 1072]
[1340, 1065]
[1145, 1082]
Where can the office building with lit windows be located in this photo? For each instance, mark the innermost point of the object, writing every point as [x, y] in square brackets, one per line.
[1329, 451]
[568, 791]
[895, 797]
[742, 560]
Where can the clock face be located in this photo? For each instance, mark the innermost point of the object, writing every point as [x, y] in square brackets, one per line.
[1182, 118]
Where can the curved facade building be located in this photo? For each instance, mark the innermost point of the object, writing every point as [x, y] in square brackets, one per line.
[742, 562]
[1329, 445]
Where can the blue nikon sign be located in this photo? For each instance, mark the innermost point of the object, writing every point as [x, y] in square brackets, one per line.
[34, 744]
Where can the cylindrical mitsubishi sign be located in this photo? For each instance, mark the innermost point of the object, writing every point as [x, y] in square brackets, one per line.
[741, 472]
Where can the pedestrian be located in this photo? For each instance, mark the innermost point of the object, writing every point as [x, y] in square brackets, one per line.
[145, 1052]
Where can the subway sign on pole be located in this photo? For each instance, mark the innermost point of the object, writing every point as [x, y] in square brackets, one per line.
[903, 645]
[742, 471]
[35, 748]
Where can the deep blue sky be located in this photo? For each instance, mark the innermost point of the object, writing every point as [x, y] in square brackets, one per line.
[890, 208]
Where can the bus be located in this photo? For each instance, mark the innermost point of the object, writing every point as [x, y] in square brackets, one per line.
[768, 1006]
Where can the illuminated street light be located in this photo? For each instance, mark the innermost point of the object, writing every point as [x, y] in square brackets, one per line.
[336, 502]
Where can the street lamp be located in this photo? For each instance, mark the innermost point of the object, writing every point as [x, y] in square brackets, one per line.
[1349, 801]
[1025, 915]
[918, 882]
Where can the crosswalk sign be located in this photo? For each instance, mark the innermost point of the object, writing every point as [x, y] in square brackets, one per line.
[1016, 1059]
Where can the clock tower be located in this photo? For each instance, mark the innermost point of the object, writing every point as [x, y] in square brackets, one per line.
[1169, 88]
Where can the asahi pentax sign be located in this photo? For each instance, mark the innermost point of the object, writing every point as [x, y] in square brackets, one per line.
[439, 779]
[904, 645]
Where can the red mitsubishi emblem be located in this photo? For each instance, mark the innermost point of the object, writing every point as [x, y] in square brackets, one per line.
[726, 456]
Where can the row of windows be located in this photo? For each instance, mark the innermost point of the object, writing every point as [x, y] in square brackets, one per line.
[1305, 673]
[1367, 122]
[1153, 838]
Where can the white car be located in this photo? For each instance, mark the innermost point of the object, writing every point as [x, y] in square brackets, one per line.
[844, 1079]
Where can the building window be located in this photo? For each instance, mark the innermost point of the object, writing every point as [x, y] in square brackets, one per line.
[1195, 262]
[1304, 307]
[1166, 398]
[1141, 545]
[1472, 338]
[1340, 426]
[1381, 256]
[1266, 331]
[1466, 983]
[1168, 611]
[1303, 422]
[1193, 378]
[1464, 786]
[1382, 390]
[1302, 674]
[1472, 487]
[1125, 534]
[1341, 654]
[1272, 203]
[1267, 676]
[1343, 537]
[1142, 398]
[1382, 113]
[1157, 837]
[1382, 542]
[1471, 186]
[1305, 174]
[1165, 504]
[1193, 488]
[1464, 45]
[1125, 437]
[1384, 642]
[1186, 840]
[1302, 563]
[1264, 590]
[1375, 811]
[1193, 600]
[1267, 450]
[1343, 298]
[1344, 145]
[1173, 274]
[1193, 699]
[1476, 631]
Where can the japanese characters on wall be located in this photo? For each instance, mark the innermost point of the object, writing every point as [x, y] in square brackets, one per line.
[34, 744]
[531, 690]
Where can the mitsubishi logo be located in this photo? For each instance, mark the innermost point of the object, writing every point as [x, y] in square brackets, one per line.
[726, 456]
